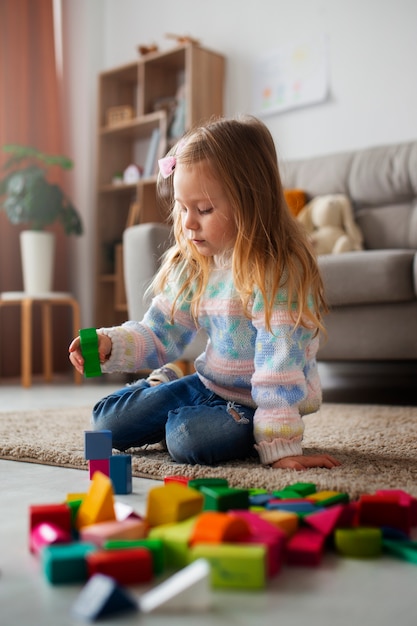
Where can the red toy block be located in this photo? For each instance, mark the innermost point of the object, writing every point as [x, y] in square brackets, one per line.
[404, 499]
[128, 567]
[326, 520]
[58, 515]
[181, 480]
[305, 547]
[98, 465]
[218, 527]
[384, 510]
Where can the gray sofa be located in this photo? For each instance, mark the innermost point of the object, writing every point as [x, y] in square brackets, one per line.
[372, 293]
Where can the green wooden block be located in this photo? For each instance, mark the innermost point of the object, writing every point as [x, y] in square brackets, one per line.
[286, 494]
[89, 350]
[155, 546]
[66, 563]
[236, 566]
[224, 498]
[303, 489]
[176, 540]
[358, 542]
[406, 550]
[197, 483]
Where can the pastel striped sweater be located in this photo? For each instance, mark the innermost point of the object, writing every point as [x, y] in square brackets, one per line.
[275, 372]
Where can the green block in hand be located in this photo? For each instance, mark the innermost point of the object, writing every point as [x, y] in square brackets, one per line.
[89, 350]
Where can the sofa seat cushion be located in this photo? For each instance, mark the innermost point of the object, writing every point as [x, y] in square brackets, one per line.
[369, 277]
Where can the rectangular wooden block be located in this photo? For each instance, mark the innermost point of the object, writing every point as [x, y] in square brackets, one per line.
[224, 498]
[58, 515]
[128, 567]
[172, 503]
[234, 566]
[66, 563]
[98, 465]
[98, 444]
[127, 529]
[121, 473]
[155, 546]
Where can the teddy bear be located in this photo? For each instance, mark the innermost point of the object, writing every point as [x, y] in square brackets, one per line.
[330, 224]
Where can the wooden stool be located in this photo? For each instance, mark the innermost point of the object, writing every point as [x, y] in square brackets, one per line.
[26, 303]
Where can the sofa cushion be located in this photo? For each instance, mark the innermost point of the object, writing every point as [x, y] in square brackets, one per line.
[368, 277]
[392, 226]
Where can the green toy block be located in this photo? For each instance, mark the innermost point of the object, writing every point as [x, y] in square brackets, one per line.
[197, 483]
[303, 489]
[358, 542]
[155, 546]
[286, 494]
[224, 498]
[236, 566]
[176, 541]
[89, 350]
[66, 563]
[406, 550]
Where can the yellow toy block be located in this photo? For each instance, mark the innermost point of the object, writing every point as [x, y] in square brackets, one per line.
[176, 540]
[327, 498]
[236, 566]
[172, 503]
[98, 505]
[284, 520]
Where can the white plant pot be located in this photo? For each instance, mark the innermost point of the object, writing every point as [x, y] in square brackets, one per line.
[37, 250]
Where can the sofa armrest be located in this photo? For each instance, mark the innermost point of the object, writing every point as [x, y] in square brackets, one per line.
[143, 246]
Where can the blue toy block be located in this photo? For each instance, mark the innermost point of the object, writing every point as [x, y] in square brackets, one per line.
[102, 596]
[121, 473]
[98, 444]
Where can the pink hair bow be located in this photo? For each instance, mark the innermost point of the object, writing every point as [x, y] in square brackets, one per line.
[167, 165]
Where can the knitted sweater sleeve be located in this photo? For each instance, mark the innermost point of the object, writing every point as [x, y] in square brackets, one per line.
[285, 383]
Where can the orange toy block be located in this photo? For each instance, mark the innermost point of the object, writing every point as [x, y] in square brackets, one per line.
[98, 505]
[284, 520]
[181, 480]
[131, 566]
[172, 503]
[98, 534]
[305, 547]
[218, 527]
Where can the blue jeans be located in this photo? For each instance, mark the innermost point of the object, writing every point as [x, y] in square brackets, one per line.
[198, 425]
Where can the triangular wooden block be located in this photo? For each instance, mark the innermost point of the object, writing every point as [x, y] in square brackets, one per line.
[102, 596]
[187, 590]
[325, 520]
[98, 505]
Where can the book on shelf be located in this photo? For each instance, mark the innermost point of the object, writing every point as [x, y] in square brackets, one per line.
[152, 154]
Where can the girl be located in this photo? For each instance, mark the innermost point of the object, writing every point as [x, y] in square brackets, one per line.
[242, 269]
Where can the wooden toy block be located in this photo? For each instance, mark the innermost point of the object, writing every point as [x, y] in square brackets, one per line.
[217, 527]
[172, 503]
[132, 566]
[58, 515]
[358, 542]
[303, 489]
[300, 507]
[181, 480]
[325, 520]
[98, 505]
[155, 546]
[66, 563]
[384, 510]
[121, 473]
[124, 511]
[259, 499]
[89, 350]
[187, 590]
[98, 444]
[406, 550]
[233, 566]
[284, 520]
[404, 499]
[285, 494]
[305, 548]
[98, 465]
[197, 483]
[176, 539]
[104, 531]
[102, 597]
[224, 498]
[47, 534]
[328, 498]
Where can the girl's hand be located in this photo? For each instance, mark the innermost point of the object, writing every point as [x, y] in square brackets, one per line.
[76, 357]
[302, 462]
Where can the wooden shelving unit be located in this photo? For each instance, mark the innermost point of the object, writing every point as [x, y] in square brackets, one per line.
[133, 113]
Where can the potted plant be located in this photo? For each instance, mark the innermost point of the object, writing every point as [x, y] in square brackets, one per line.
[29, 198]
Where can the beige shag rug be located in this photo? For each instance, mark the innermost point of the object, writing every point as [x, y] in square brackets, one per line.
[376, 444]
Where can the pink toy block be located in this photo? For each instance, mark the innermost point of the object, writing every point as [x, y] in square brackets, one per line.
[305, 547]
[58, 515]
[99, 465]
[172, 503]
[46, 534]
[105, 531]
[132, 566]
[326, 520]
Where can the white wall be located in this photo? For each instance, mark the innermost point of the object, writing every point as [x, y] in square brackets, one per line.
[372, 49]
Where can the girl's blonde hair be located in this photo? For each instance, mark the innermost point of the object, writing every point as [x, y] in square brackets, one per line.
[271, 249]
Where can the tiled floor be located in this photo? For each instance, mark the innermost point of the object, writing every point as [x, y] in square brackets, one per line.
[340, 592]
